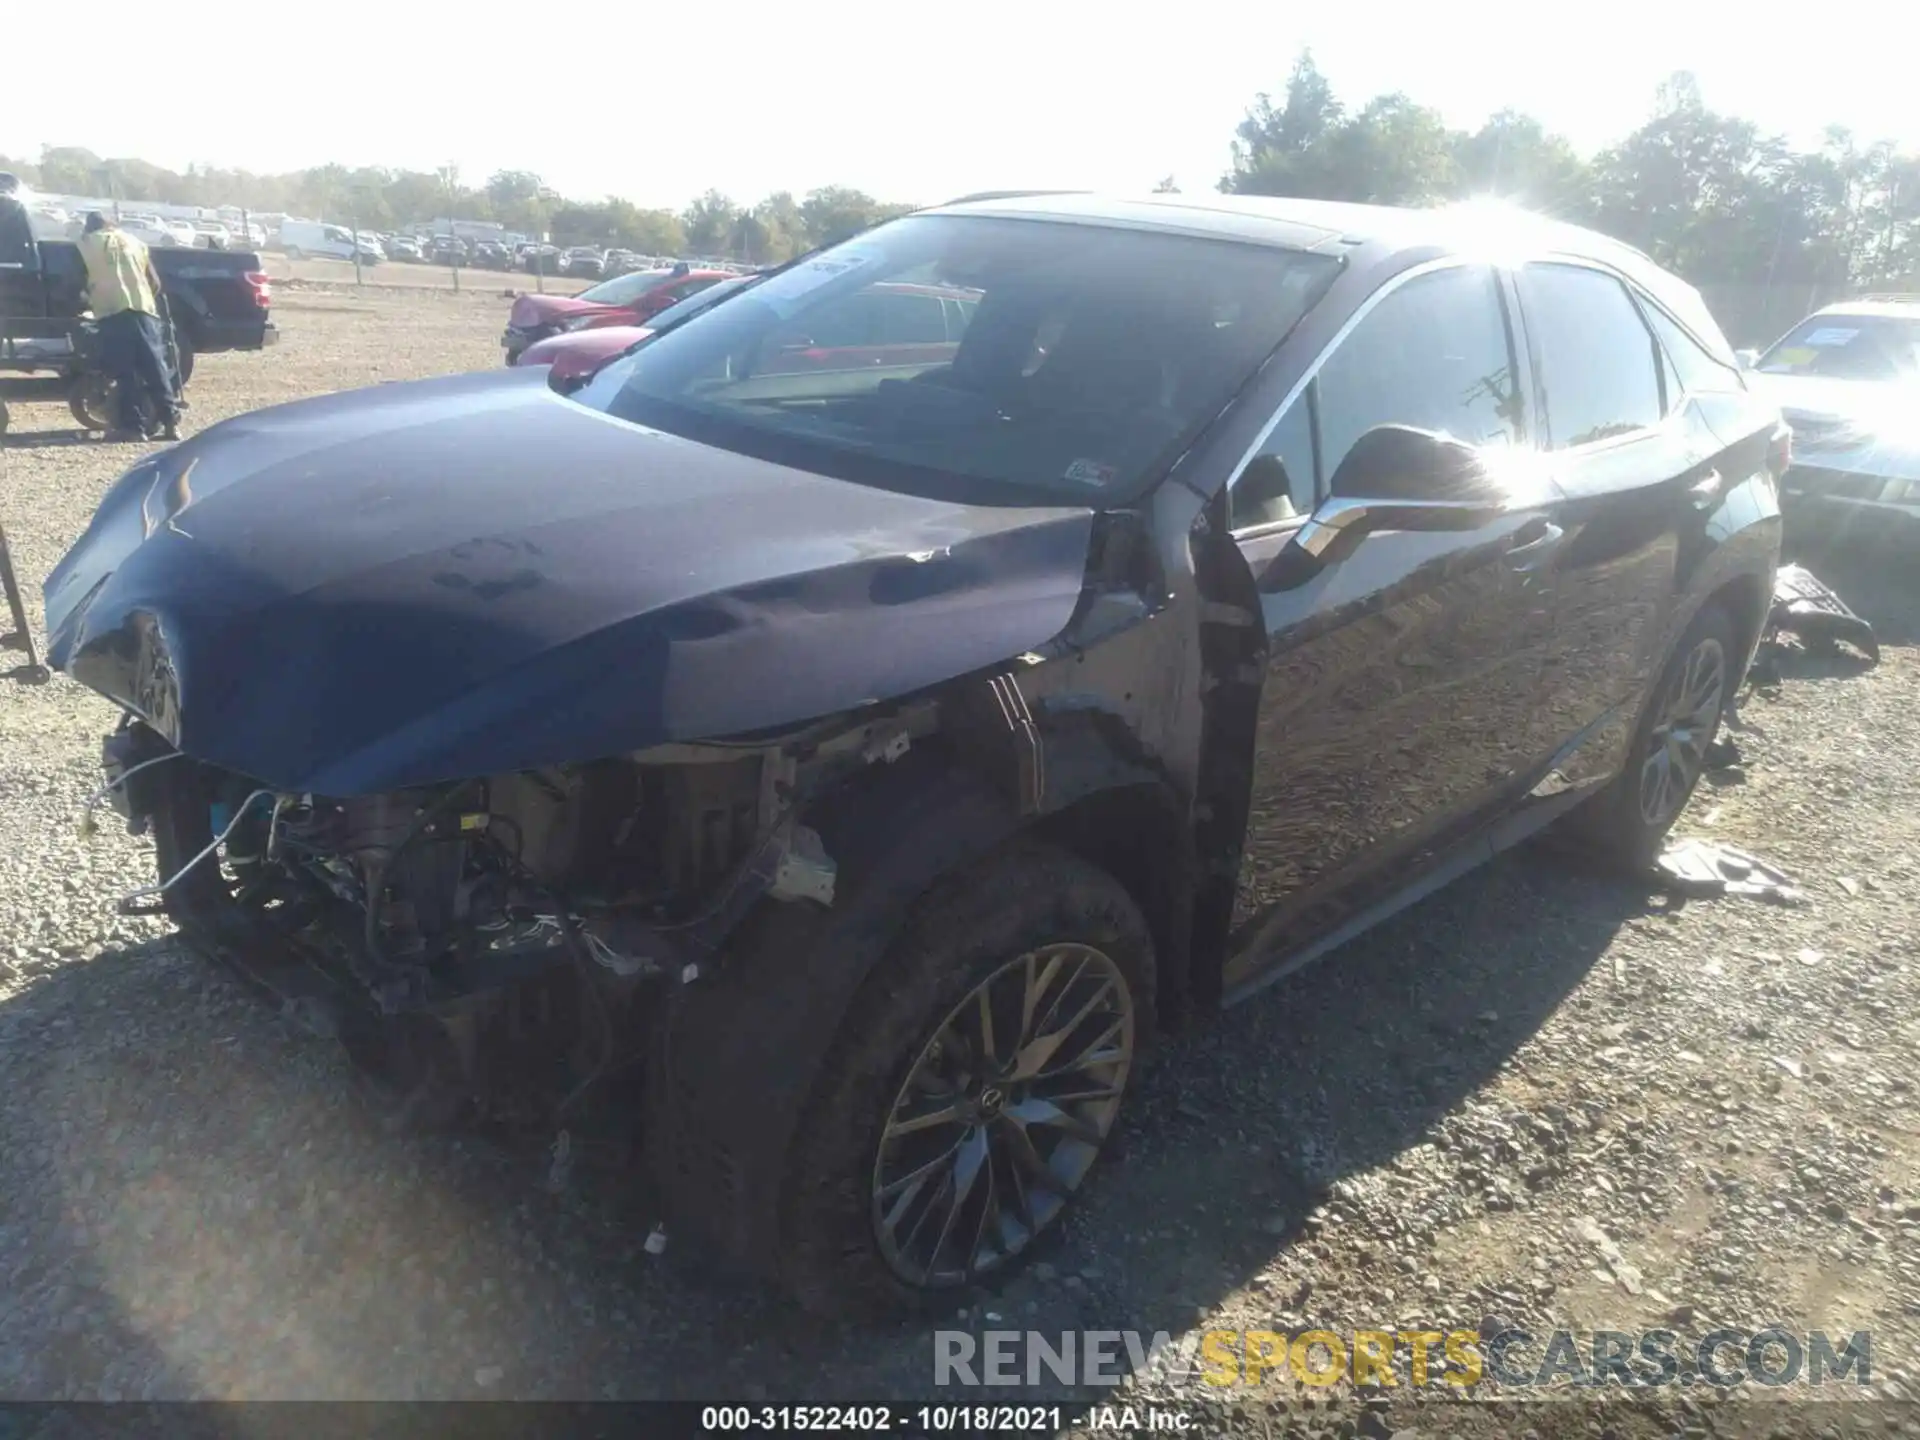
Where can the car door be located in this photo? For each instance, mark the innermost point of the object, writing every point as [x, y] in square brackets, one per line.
[1394, 714]
[1635, 463]
[21, 293]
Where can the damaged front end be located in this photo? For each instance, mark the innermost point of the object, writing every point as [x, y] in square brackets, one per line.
[491, 949]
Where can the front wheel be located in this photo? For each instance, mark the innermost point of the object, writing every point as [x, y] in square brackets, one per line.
[1629, 820]
[974, 1084]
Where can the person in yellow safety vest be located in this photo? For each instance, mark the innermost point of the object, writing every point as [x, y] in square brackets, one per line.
[123, 292]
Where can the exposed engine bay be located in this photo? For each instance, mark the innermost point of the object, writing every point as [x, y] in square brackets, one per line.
[493, 945]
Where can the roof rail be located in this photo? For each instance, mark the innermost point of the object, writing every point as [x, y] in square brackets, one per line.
[1009, 195]
[1905, 297]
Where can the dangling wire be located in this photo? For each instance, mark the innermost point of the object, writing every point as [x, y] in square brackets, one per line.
[86, 811]
[147, 892]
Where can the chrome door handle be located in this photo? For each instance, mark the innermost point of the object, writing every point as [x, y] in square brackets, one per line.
[1532, 554]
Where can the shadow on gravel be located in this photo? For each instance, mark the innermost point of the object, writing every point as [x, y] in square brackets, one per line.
[1250, 1120]
[48, 439]
[222, 1218]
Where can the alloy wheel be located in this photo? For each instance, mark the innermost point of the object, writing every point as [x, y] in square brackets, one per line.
[1002, 1115]
[1677, 748]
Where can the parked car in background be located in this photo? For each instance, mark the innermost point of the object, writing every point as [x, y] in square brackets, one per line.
[301, 238]
[150, 230]
[1847, 379]
[492, 255]
[212, 235]
[573, 357]
[583, 260]
[631, 299]
[896, 328]
[447, 250]
[861, 764]
[620, 262]
[545, 259]
[405, 247]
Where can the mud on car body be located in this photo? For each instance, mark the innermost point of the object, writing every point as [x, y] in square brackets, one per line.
[869, 760]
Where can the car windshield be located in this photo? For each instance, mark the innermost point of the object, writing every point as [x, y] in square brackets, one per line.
[1849, 347]
[625, 289]
[1005, 359]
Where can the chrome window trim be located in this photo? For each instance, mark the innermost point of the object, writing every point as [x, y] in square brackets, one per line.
[1348, 326]
[1365, 308]
[1636, 296]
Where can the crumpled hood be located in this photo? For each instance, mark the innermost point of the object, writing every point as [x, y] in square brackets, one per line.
[532, 311]
[469, 576]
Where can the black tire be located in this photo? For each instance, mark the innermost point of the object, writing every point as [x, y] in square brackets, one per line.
[1018, 901]
[181, 830]
[91, 401]
[1617, 823]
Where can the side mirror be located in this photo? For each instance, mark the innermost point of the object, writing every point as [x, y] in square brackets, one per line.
[1399, 464]
[1747, 358]
[1395, 477]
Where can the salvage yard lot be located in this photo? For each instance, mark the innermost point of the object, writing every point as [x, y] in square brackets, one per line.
[1426, 1131]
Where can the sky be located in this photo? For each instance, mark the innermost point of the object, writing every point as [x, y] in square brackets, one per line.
[908, 102]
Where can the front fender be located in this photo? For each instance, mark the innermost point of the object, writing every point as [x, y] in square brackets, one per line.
[741, 1051]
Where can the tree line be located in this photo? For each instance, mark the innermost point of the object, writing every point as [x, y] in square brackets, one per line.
[777, 228]
[1766, 230]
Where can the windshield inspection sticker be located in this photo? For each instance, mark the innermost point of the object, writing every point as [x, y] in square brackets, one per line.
[783, 293]
[1090, 472]
[1829, 336]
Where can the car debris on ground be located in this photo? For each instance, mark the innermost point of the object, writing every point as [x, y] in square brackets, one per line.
[1807, 607]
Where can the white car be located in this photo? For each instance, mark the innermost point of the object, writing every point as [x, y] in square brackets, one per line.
[214, 230]
[1847, 379]
[149, 230]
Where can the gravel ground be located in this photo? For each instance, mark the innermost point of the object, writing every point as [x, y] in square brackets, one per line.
[1542, 1098]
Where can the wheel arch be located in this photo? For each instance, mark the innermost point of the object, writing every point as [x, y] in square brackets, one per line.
[741, 1050]
[1747, 598]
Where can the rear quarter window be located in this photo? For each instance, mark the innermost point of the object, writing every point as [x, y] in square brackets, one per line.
[1698, 371]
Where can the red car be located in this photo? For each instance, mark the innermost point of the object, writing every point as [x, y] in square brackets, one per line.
[888, 324]
[630, 299]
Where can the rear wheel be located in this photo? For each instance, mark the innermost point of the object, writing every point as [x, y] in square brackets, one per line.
[974, 1084]
[91, 401]
[294, 252]
[1629, 820]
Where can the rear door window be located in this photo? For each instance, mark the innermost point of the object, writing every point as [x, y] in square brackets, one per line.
[910, 319]
[1597, 358]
